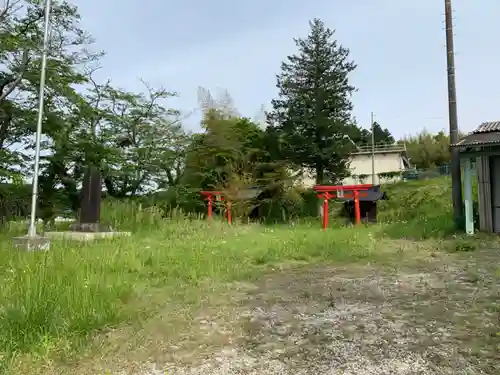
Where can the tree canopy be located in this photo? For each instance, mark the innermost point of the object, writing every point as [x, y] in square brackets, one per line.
[138, 140]
[312, 113]
[427, 150]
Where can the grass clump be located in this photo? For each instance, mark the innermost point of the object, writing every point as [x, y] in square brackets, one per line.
[418, 209]
[53, 299]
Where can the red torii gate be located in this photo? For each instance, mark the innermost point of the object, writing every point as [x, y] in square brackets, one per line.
[354, 191]
[326, 192]
[219, 196]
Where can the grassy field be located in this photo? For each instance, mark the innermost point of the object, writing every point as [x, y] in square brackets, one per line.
[120, 304]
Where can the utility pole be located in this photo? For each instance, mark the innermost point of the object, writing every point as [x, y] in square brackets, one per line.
[456, 180]
[373, 148]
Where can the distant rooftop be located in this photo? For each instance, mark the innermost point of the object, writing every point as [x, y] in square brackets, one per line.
[379, 149]
[488, 127]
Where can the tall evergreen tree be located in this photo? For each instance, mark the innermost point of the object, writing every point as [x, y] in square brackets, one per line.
[363, 137]
[382, 135]
[313, 110]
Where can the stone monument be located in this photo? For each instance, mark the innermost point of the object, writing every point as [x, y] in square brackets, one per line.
[89, 226]
[90, 204]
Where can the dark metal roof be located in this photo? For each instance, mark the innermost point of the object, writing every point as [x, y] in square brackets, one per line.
[372, 195]
[487, 127]
[486, 134]
[248, 193]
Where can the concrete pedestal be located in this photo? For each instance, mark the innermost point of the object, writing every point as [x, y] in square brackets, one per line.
[31, 243]
[85, 236]
[90, 228]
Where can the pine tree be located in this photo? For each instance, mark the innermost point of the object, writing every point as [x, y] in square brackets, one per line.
[313, 110]
[381, 135]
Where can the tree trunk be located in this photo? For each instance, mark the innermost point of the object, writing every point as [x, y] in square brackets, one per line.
[319, 175]
[319, 181]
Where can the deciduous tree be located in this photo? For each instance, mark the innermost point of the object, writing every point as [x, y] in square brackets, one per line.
[427, 150]
[21, 35]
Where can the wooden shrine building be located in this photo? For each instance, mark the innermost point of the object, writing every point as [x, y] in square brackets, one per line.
[367, 205]
[480, 156]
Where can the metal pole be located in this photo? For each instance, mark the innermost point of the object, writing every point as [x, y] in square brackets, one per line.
[36, 169]
[456, 180]
[373, 149]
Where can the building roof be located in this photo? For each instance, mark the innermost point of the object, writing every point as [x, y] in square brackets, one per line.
[395, 149]
[486, 134]
[372, 195]
[380, 149]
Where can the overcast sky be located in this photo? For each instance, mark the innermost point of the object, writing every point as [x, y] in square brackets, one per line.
[399, 46]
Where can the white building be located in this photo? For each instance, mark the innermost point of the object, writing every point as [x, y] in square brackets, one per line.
[389, 162]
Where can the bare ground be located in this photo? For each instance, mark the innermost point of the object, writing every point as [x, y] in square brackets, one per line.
[438, 315]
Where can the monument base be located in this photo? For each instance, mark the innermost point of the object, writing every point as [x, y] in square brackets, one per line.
[85, 236]
[31, 243]
[90, 228]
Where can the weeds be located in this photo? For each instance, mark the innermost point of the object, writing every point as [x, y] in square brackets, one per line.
[53, 298]
[50, 301]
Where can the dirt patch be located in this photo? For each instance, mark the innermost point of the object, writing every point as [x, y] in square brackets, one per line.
[440, 316]
[442, 319]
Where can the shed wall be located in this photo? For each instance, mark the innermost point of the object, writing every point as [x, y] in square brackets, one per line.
[484, 193]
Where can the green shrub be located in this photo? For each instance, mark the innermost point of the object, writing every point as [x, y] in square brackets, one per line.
[15, 201]
[420, 209]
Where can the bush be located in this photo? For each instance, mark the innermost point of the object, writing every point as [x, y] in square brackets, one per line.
[50, 299]
[15, 201]
[418, 209]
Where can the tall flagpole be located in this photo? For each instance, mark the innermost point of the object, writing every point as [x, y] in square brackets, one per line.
[373, 148]
[36, 169]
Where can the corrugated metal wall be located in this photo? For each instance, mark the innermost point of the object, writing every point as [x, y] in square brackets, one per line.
[484, 193]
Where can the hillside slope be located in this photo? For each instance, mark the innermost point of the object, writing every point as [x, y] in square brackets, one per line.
[419, 208]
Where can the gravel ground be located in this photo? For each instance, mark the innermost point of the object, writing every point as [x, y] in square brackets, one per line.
[434, 316]
[441, 318]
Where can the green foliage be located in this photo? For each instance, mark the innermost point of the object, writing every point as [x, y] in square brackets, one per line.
[462, 245]
[363, 137]
[427, 150]
[21, 30]
[312, 114]
[429, 198]
[50, 300]
[418, 209]
[15, 201]
[286, 204]
[382, 135]
[134, 138]
[138, 142]
[389, 175]
[153, 171]
[363, 177]
[226, 150]
[231, 157]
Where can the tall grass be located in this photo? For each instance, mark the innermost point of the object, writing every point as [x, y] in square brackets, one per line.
[418, 209]
[54, 298]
